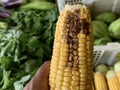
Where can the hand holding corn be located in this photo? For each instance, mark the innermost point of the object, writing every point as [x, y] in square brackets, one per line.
[40, 79]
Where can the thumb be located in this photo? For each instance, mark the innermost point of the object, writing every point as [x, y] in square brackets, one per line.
[40, 81]
[43, 71]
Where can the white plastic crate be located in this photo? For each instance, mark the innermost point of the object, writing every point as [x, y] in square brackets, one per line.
[106, 54]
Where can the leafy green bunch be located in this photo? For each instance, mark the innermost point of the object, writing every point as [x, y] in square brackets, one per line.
[25, 44]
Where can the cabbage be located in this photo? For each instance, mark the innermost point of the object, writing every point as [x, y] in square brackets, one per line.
[100, 29]
[102, 41]
[114, 29]
[107, 17]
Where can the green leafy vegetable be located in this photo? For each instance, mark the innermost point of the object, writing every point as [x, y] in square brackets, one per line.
[5, 62]
[6, 79]
[25, 45]
[30, 65]
[10, 46]
[1, 76]
[19, 85]
[33, 42]
[3, 25]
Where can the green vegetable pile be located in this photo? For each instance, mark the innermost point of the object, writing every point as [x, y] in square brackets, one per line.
[106, 28]
[26, 41]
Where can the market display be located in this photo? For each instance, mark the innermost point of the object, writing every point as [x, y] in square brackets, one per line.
[106, 28]
[107, 77]
[27, 32]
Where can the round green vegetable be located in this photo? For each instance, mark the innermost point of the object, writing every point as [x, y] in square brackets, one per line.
[107, 17]
[114, 29]
[100, 29]
[101, 68]
[102, 41]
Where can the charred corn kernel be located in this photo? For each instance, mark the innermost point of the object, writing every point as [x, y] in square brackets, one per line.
[100, 81]
[72, 51]
[113, 82]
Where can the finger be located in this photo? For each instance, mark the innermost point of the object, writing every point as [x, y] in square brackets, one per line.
[44, 70]
[40, 79]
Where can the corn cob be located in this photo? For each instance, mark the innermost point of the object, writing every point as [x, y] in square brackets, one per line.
[112, 80]
[118, 75]
[93, 85]
[100, 81]
[72, 59]
[117, 70]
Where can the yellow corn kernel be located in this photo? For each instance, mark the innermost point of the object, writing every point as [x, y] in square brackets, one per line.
[71, 64]
[100, 81]
[117, 70]
[113, 82]
[118, 75]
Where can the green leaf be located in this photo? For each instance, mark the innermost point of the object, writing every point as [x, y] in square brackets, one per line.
[6, 79]
[19, 85]
[40, 52]
[30, 65]
[33, 42]
[1, 76]
[51, 15]
[3, 25]
[5, 62]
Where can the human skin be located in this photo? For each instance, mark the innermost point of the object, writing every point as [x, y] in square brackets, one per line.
[40, 81]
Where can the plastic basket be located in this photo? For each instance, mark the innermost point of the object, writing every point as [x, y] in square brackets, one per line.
[106, 54]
